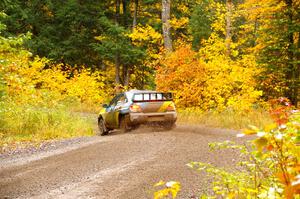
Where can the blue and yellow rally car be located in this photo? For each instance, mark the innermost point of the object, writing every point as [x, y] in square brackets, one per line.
[128, 110]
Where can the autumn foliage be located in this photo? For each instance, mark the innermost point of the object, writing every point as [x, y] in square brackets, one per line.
[40, 82]
[269, 165]
[39, 98]
[211, 82]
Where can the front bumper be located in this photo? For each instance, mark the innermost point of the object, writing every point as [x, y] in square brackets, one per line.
[141, 118]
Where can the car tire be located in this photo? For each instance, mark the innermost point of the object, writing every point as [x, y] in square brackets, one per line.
[169, 126]
[134, 127]
[102, 128]
[124, 124]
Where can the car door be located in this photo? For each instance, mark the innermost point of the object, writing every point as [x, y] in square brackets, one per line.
[110, 118]
[121, 101]
[113, 111]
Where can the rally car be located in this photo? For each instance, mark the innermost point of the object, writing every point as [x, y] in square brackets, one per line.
[128, 110]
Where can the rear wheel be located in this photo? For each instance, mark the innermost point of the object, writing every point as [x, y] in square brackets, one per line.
[102, 128]
[169, 125]
[124, 124]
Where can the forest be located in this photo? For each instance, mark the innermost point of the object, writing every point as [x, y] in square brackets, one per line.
[211, 54]
[226, 61]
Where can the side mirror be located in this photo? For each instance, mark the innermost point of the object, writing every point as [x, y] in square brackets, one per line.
[104, 105]
[119, 103]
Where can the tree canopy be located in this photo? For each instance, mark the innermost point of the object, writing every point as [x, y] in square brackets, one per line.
[133, 39]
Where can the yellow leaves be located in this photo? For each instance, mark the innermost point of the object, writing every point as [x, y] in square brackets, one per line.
[260, 10]
[170, 188]
[142, 34]
[270, 127]
[219, 23]
[184, 9]
[275, 144]
[260, 143]
[146, 36]
[30, 82]
[179, 23]
[160, 183]
[216, 83]
[100, 38]
[47, 11]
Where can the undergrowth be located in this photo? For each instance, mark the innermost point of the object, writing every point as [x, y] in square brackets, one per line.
[28, 123]
[229, 118]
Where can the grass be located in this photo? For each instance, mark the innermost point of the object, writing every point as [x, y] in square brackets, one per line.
[33, 124]
[227, 119]
[28, 123]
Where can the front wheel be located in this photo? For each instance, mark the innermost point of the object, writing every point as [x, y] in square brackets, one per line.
[102, 128]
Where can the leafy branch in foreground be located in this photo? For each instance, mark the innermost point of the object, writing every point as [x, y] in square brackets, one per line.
[270, 160]
[270, 167]
[169, 189]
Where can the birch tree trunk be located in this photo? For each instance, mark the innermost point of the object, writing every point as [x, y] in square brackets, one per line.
[165, 15]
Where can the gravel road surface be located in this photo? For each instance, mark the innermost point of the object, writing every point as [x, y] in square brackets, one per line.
[124, 166]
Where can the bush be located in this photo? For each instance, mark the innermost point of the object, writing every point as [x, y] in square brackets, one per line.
[210, 81]
[23, 123]
[38, 97]
[270, 168]
[270, 161]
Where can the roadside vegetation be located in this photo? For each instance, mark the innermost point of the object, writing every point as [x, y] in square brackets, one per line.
[269, 165]
[230, 119]
[21, 124]
[39, 104]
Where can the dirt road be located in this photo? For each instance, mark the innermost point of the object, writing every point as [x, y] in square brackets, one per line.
[116, 166]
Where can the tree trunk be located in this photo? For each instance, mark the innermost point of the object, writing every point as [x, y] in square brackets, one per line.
[126, 75]
[117, 56]
[136, 5]
[297, 67]
[165, 15]
[117, 14]
[293, 70]
[124, 3]
[117, 67]
[228, 35]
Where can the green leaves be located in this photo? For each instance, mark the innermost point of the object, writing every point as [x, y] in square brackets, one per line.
[200, 22]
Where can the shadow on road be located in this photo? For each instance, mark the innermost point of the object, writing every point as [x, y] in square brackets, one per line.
[141, 130]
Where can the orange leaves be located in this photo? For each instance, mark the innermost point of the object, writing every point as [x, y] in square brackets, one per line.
[183, 74]
[277, 145]
[280, 110]
[216, 83]
[291, 183]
